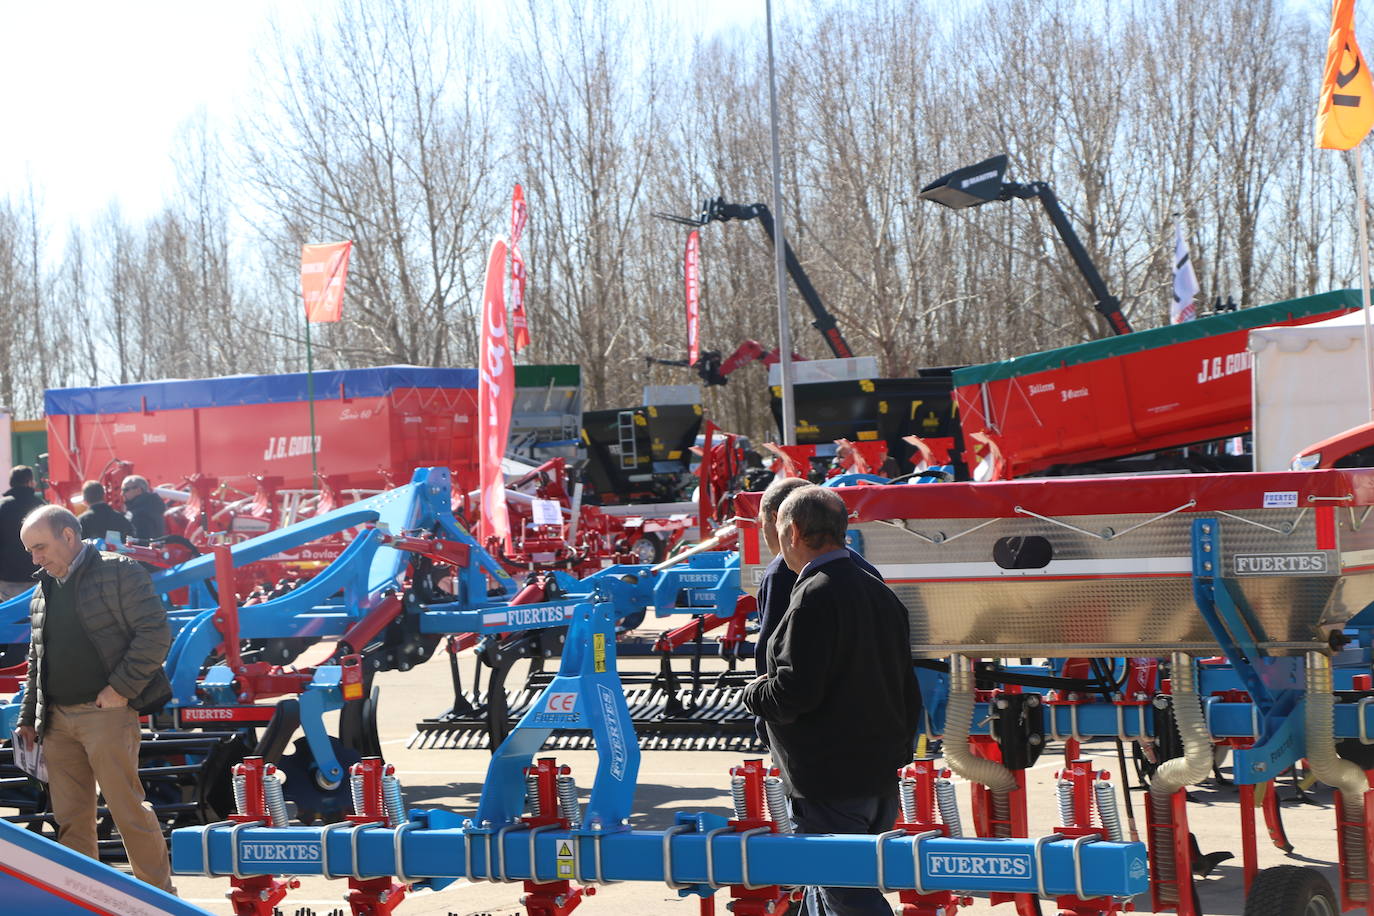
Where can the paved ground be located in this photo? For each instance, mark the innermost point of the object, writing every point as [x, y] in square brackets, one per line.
[672, 781]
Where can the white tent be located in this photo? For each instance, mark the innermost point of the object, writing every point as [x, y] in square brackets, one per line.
[1309, 384]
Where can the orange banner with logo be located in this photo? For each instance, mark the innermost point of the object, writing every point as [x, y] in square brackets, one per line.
[1346, 110]
[324, 269]
[495, 395]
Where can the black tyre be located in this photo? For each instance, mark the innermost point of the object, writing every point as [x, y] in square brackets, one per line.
[649, 549]
[1291, 890]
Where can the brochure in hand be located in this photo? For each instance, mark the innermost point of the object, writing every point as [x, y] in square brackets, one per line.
[29, 757]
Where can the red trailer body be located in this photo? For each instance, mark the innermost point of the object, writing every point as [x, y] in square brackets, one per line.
[1126, 395]
[373, 427]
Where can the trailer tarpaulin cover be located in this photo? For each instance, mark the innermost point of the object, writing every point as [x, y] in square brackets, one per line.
[1309, 385]
[495, 394]
[233, 390]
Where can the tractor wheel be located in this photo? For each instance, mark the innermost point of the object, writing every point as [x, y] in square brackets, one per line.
[1291, 890]
[648, 549]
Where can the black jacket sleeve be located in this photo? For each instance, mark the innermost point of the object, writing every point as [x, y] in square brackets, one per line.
[804, 650]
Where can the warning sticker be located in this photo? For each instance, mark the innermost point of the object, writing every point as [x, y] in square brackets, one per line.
[599, 652]
[566, 861]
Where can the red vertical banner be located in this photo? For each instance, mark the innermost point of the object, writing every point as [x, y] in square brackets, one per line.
[324, 270]
[495, 395]
[691, 272]
[519, 216]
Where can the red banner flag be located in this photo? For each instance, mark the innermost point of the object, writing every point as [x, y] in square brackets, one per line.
[691, 271]
[519, 216]
[495, 394]
[324, 268]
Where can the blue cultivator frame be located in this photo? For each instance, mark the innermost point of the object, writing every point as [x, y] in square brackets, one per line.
[700, 854]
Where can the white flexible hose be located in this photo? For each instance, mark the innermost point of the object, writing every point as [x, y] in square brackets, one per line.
[1196, 762]
[1343, 775]
[958, 719]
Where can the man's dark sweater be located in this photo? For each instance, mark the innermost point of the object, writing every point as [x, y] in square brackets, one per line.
[100, 519]
[840, 700]
[15, 563]
[77, 674]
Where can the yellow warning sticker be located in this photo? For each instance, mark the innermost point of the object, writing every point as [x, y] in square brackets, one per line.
[599, 652]
[566, 861]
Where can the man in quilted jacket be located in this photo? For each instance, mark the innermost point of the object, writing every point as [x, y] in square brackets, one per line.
[99, 638]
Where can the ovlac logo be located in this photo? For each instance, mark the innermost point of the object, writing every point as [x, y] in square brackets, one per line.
[285, 854]
[988, 866]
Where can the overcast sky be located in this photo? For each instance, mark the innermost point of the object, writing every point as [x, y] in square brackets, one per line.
[96, 91]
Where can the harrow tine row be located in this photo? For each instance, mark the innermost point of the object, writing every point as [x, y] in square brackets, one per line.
[713, 718]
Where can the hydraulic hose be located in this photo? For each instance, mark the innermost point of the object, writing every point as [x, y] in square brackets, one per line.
[1178, 773]
[961, 759]
[1344, 776]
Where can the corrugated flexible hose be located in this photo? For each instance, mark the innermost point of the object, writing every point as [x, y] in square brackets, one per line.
[1345, 776]
[1180, 772]
[958, 720]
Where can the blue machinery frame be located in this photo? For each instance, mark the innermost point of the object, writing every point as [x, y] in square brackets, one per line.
[700, 854]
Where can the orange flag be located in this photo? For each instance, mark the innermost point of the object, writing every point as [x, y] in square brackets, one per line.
[324, 268]
[1346, 110]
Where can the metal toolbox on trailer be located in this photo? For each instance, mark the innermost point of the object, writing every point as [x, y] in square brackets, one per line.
[1104, 566]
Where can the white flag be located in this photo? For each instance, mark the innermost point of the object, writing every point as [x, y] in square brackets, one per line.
[1185, 283]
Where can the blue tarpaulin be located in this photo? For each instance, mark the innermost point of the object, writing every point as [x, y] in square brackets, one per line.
[180, 394]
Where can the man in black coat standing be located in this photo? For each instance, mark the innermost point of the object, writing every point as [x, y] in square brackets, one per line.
[16, 566]
[840, 697]
[100, 518]
[144, 507]
[775, 585]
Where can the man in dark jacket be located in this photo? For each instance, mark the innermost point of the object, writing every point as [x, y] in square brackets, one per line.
[775, 586]
[16, 569]
[100, 519]
[839, 697]
[144, 507]
[98, 639]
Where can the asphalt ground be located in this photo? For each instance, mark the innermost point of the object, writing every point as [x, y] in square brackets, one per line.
[673, 781]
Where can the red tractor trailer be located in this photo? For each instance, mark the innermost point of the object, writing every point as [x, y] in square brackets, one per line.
[372, 427]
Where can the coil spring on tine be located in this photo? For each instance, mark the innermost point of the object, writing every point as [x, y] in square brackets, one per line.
[1104, 796]
[1064, 791]
[568, 806]
[274, 797]
[777, 804]
[948, 803]
[393, 800]
[532, 792]
[355, 788]
[240, 793]
[906, 797]
[740, 797]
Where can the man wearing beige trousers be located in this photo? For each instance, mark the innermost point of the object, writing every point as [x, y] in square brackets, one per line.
[99, 638]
